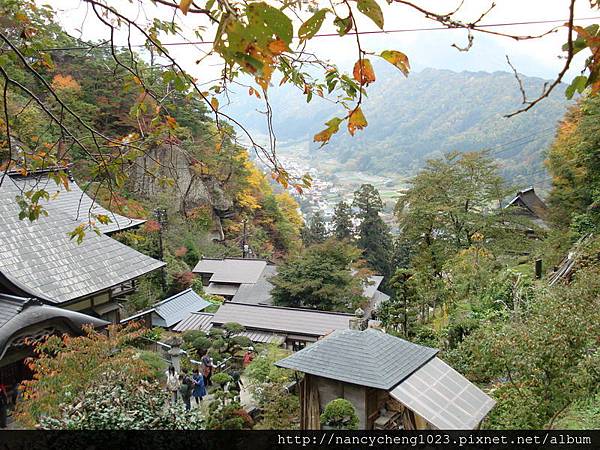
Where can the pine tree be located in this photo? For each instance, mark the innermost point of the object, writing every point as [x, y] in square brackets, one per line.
[315, 232]
[342, 221]
[374, 236]
[401, 312]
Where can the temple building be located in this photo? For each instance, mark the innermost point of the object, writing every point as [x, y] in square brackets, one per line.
[247, 281]
[50, 283]
[39, 259]
[27, 320]
[392, 383]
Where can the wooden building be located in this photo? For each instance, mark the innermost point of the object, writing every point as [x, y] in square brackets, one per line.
[292, 327]
[26, 320]
[248, 281]
[169, 312]
[529, 205]
[38, 259]
[392, 383]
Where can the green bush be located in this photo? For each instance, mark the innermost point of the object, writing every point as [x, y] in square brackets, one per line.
[156, 364]
[221, 378]
[339, 414]
[118, 402]
[262, 369]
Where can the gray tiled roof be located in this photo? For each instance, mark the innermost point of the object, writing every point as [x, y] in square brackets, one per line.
[74, 203]
[17, 313]
[281, 320]
[370, 287]
[222, 289]
[367, 358]
[176, 308]
[375, 302]
[263, 337]
[443, 397]
[231, 270]
[259, 292]
[195, 321]
[40, 259]
[10, 306]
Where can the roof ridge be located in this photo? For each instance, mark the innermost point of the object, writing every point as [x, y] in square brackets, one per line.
[175, 296]
[287, 308]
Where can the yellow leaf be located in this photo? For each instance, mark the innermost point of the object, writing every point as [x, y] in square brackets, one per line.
[356, 121]
[332, 127]
[184, 6]
[398, 59]
[214, 102]
[363, 71]
[277, 47]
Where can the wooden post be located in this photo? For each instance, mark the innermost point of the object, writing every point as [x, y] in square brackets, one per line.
[538, 269]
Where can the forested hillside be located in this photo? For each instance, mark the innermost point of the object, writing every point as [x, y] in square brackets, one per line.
[426, 115]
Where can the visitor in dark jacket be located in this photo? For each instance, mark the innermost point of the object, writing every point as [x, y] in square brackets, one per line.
[199, 388]
[187, 385]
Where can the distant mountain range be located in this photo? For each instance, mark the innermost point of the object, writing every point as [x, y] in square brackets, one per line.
[423, 116]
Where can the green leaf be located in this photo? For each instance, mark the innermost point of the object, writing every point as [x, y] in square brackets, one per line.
[398, 59]
[40, 194]
[179, 84]
[577, 85]
[371, 9]
[312, 26]
[263, 17]
[103, 219]
[343, 25]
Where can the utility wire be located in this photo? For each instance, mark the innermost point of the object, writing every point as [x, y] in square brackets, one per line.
[354, 33]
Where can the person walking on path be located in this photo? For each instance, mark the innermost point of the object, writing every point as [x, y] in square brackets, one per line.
[185, 389]
[207, 369]
[199, 389]
[172, 383]
[248, 356]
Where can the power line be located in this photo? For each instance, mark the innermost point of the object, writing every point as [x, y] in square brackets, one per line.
[354, 33]
[520, 142]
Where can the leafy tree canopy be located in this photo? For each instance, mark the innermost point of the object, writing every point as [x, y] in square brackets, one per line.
[322, 278]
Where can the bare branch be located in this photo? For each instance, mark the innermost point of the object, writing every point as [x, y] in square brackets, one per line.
[570, 54]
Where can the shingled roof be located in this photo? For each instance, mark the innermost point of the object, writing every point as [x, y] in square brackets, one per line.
[17, 315]
[367, 358]
[197, 321]
[39, 259]
[74, 203]
[529, 201]
[305, 322]
[231, 270]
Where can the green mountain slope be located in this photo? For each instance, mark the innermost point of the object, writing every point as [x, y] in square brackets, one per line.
[430, 113]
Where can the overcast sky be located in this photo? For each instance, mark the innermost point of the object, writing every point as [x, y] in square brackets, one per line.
[425, 48]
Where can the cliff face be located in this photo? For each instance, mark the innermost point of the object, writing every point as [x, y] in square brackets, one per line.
[171, 170]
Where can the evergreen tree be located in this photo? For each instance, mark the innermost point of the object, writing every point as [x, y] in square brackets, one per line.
[342, 221]
[315, 232]
[401, 311]
[374, 236]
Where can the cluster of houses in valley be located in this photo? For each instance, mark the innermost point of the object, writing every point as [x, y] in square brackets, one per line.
[51, 284]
